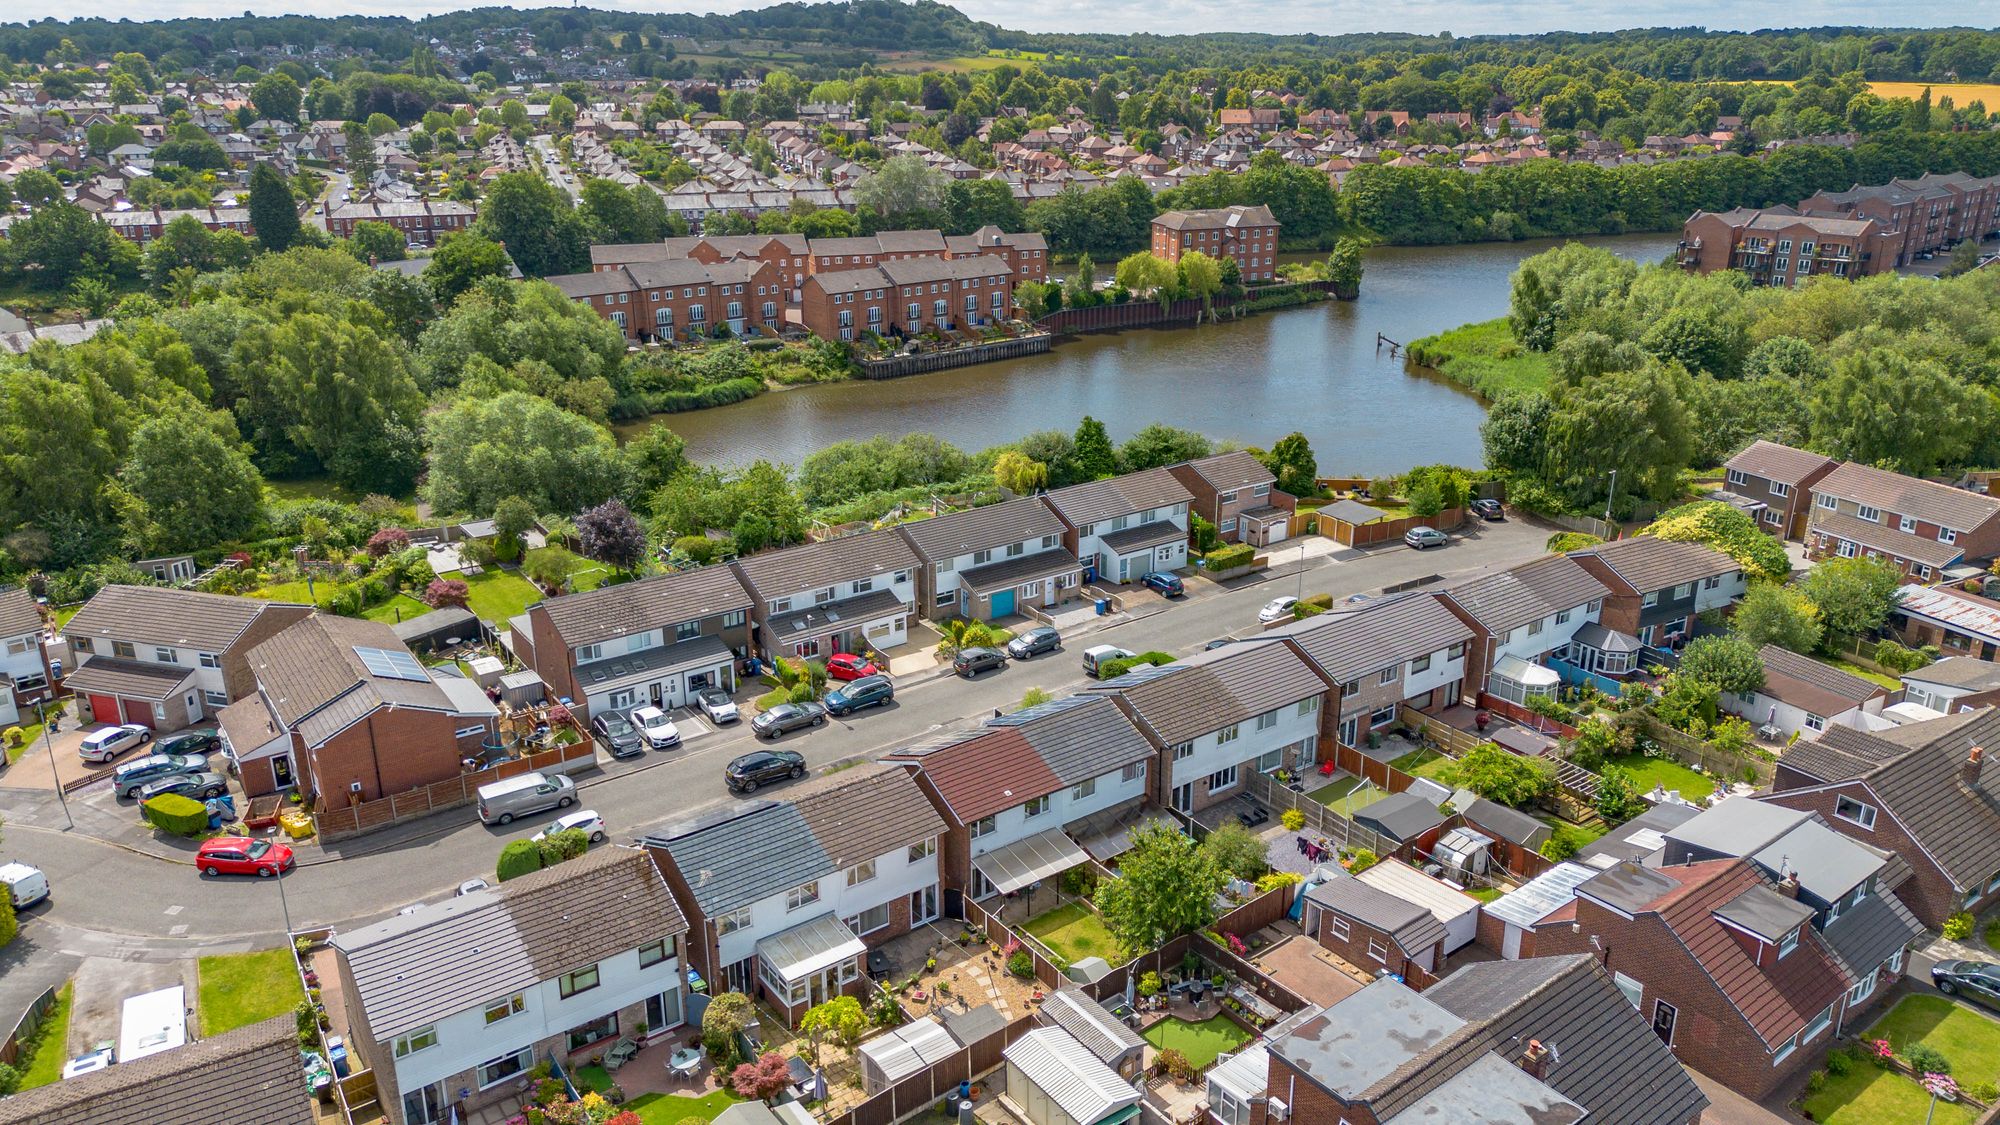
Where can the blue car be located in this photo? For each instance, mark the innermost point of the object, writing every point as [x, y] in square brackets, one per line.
[868, 691]
[1169, 585]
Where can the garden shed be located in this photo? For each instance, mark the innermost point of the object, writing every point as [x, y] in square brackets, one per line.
[1457, 910]
[1054, 1080]
[1091, 1024]
[900, 1052]
[439, 629]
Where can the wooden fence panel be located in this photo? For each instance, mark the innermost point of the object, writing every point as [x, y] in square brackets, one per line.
[10, 1050]
[366, 816]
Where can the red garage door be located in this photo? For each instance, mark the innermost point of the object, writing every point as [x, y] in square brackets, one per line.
[104, 708]
[139, 711]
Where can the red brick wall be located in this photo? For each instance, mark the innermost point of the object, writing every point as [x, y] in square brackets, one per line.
[1309, 1103]
[388, 752]
[237, 677]
[1928, 892]
[1353, 948]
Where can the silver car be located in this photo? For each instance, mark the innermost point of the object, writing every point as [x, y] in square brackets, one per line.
[1421, 538]
[199, 786]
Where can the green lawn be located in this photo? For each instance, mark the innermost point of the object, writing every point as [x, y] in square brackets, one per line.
[1074, 932]
[63, 615]
[1576, 833]
[1873, 677]
[402, 607]
[1993, 934]
[238, 989]
[583, 574]
[1345, 795]
[1485, 357]
[672, 1109]
[496, 595]
[1200, 1042]
[31, 733]
[1869, 1095]
[1424, 763]
[1969, 1040]
[44, 1067]
[1486, 895]
[293, 591]
[1648, 772]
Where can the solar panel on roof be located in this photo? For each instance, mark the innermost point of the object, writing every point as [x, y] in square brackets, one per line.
[392, 664]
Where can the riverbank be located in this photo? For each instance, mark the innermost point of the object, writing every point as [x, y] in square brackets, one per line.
[1484, 358]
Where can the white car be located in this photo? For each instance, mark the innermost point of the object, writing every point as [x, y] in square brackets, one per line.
[716, 704]
[90, 1061]
[471, 885]
[658, 730]
[1277, 609]
[106, 743]
[584, 820]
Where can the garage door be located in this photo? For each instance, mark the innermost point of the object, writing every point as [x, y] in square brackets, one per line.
[1003, 603]
[140, 712]
[104, 708]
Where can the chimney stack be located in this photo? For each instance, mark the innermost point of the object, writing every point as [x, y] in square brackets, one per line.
[1789, 885]
[1535, 1059]
[1972, 763]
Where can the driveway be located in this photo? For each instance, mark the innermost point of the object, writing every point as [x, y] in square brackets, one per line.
[103, 984]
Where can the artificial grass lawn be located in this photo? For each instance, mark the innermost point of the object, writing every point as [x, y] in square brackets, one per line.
[44, 1068]
[672, 1109]
[1346, 796]
[1648, 772]
[496, 595]
[1200, 1042]
[238, 989]
[1873, 677]
[400, 608]
[1869, 1095]
[1074, 932]
[1967, 1039]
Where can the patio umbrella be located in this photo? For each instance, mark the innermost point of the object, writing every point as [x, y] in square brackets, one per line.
[819, 1085]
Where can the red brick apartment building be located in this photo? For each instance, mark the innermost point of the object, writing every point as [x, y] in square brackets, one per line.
[908, 296]
[1930, 214]
[422, 222]
[1249, 235]
[1780, 246]
[679, 298]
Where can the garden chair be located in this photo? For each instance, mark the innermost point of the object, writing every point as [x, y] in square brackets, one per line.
[620, 1053]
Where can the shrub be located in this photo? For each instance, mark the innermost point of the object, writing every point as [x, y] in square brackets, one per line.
[1276, 879]
[10, 1080]
[1896, 658]
[182, 816]
[388, 541]
[1229, 557]
[1293, 819]
[1562, 542]
[518, 858]
[1021, 964]
[1318, 601]
[444, 592]
[1926, 1059]
[14, 737]
[727, 1015]
[1177, 1065]
[10, 927]
[1987, 1092]
[1839, 1063]
[567, 844]
[1958, 927]
[1816, 1081]
[1149, 985]
[1362, 860]
[1112, 669]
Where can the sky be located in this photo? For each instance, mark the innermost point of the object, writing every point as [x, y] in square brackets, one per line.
[1191, 17]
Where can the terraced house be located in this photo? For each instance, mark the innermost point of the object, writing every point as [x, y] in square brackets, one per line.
[1519, 617]
[681, 299]
[784, 898]
[165, 658]
[1924, 528]
[1407, 649]
[1125, 526]
[992, 562]
[1655, 590]
[848, 594]
[1772, 484]
[908, 296]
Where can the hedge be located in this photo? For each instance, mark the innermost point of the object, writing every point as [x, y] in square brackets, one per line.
[1229, 557]
[182, 816]
[518, 858]
[718, 394]
[1112, 669]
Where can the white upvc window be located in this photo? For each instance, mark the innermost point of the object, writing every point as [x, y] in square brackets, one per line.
[860, 872]
[802, 896]
[410, 1042]
[1854, 812]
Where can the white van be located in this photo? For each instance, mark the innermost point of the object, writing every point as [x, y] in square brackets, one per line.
[25, 885]
[503, 801]
[1095, 658]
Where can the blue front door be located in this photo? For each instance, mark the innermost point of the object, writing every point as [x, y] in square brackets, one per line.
[1003, 603]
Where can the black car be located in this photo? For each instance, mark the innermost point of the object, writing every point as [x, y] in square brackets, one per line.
[788, 717]
[1978, 980]
[1488, 510]
[858, 695]
[1169, 585]
[971, 661]
[618, 736]
[188, 742]
[763, 767]
[1034, 642]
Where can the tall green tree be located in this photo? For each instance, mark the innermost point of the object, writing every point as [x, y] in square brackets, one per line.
[485, 450]
[276, 96]
[274, 215]
[1770, 614]
[1853, 596]
[1157, 444]
[1166, 886]
[1291, 461]
[186, 483]
[1094, 456]
[903, 192]
[1201, 276]
[460, 260]
[1727, 660]
[533, 219]
[339, 390]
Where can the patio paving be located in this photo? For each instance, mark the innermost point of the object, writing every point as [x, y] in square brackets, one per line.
[1300, 964]
[964, 977]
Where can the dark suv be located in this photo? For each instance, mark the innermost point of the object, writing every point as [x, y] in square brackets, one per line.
[1488, 510]
[1034, 642]
[971, 661]
[618, 736]
[1169, 585]
[857, 695]
[763, 767]
[199, 741]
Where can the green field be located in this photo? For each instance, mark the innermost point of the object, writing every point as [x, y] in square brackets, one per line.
[1200, 1042]
[238, 989]
[1485, 358]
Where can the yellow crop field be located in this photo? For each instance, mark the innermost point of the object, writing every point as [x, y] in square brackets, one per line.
[1962, 93]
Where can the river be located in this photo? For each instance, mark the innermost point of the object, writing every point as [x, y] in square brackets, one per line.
[1314, 369]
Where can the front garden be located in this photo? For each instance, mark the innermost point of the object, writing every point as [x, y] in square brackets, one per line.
[239, 989]
[1887, 1076]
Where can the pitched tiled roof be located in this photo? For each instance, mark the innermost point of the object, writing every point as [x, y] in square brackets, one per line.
[1893, 492]
[1093, 501]
[1955, 820]
[1884, 538]
[984, 771]
[131, 678]
[1609, 1061]
[1781, 463]
[812, 566]
[1012, 572]
[1226, 472]
[650, 603]
[1648, 563]
[451, 956]
[734, 853]
[318, 685]
[1505, 600]
[1215, 218]
[1411, 924]
[1959, 672]
[943, 538]
[1211, 690]
[861, 813]
[1839, 753]
[1865, 936]
[162, 616]
[1376, 635]
[1079, 736]
[18, 613]
[1819, 688]
[248, 1076]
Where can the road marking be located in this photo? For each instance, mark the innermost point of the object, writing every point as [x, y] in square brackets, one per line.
[175, 909]
[177, 931]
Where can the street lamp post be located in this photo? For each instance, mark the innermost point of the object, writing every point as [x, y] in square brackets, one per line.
[284, 903]
[1302, 569]
[1613, 495]
[54, 777]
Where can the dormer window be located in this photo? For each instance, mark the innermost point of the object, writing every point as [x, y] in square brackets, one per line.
[1854, 812]
[1788, 943]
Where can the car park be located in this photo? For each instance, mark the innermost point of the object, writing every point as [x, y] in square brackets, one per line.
[106, 743]
[716, 704]
[1168, 585]
[857, 695]
[787, 717]
[1488, 509]
[240, 855]
[135, 775]
[1423, 538]
[1974, 980]
[1277, 609]
[195, 786]
[763, 767]
[1034, 642]
[198, 741]
[585, 821]
[655, 728]
[847, 666]
[619, 737]
[1095, 657]
[971, 661]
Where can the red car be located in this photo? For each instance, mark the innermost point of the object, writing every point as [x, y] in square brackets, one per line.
[240, 855]
[847, 666]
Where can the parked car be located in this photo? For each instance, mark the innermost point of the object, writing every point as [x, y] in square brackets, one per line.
[1277, 609]
[133, 775]
[763, 767]
[618, 736]
[787, 717]
[857, 695]
[1488, 510]
[583, 820]
[200, 741]
[971, 661]
[23, 885]
[716, 704]
[240, 855]
[1169, 585]
[469, 886]
[502, 801]
[98, 1059]
[1095, 657]
[199, 786]
[1423, 538]
[847, 666]
[655, 728]
[1978, 980]
[1034, 642]
[106, 743]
